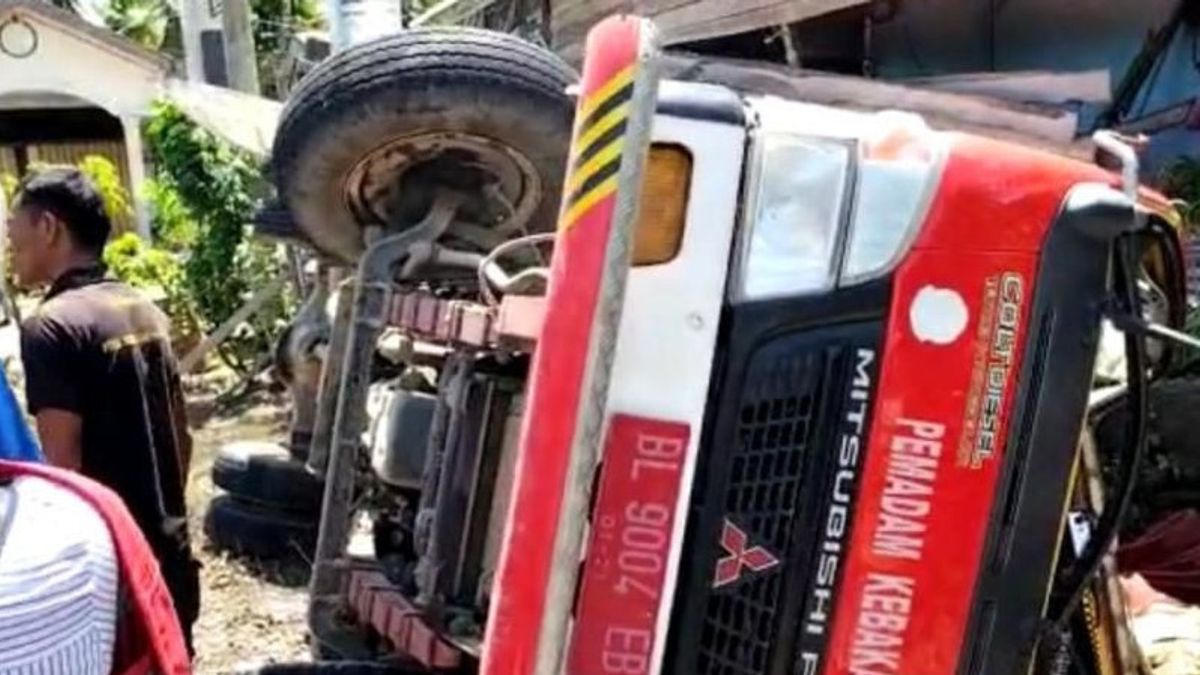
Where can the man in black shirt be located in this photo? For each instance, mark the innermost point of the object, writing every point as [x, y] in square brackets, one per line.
[101, 379]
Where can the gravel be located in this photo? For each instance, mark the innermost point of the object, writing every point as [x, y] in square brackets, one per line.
[250, 615]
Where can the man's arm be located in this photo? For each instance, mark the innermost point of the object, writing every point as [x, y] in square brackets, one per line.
[52, 389]
[61, 434]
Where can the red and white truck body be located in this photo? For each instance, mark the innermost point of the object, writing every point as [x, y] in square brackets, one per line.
[808, 391]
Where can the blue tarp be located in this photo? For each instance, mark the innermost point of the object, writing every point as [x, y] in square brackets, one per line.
[16, 439]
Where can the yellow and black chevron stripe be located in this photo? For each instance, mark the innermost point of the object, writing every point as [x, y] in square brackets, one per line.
[599, 142]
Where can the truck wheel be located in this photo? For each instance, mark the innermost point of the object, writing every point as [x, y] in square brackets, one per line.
[369, 136]
[267, 475]
[240, 527]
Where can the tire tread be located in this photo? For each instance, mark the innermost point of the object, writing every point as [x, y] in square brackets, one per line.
[414, 71]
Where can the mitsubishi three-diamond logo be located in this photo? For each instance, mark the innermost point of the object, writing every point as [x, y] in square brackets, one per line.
[739, 558]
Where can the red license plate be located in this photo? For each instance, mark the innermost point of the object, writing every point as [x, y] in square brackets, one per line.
[626, 558]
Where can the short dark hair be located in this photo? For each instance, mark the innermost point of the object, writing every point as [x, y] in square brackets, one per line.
[72, 197]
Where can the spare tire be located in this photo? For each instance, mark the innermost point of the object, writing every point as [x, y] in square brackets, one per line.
[234, 525]
[267, 475]
[369, 135]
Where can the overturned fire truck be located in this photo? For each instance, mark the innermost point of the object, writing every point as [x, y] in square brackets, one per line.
[773, 388]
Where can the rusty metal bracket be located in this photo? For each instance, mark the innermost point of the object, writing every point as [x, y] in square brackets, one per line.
[377, 603]
[513, 326]
[331, 377]
[372, 290]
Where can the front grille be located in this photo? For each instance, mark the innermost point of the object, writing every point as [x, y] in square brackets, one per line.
[775, 428]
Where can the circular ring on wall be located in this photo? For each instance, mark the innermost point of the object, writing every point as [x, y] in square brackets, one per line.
[18, 38]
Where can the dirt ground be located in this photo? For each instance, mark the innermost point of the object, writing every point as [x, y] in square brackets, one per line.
[249, 616]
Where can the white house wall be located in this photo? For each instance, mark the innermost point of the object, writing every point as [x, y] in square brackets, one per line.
[68, 63]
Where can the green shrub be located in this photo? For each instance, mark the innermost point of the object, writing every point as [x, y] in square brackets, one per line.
[171, 224]
[8, 184]
[1181, 181]
[107, 178]
[219, 187]
[158, 273]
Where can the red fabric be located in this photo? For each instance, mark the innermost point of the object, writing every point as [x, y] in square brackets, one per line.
[1168, 556]
[151, 639]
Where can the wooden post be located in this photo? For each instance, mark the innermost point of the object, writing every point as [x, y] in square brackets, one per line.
[226, 329]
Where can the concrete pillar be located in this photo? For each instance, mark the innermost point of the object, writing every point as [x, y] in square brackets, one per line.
[190, 25]
[239, 46]
[136, 159]
[337, 25]
[353, 22]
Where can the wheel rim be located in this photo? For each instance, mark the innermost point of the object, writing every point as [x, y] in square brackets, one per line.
[393, 186]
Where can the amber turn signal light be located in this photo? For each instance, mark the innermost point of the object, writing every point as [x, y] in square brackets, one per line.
[663, 210]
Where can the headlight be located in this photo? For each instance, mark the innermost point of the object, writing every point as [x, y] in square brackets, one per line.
[898, 170]
[835, 211]
[798, 200]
